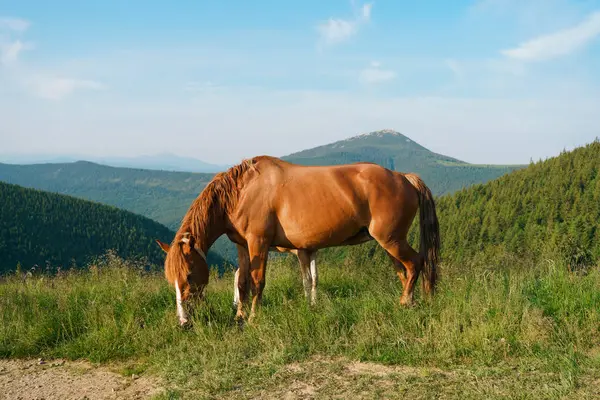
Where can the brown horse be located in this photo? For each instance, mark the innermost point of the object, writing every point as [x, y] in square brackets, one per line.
[265, 202]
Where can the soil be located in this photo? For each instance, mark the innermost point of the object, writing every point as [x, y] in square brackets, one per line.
[36, 379]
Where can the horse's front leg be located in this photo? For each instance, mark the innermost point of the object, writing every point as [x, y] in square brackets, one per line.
[258, 251]
[241, 283]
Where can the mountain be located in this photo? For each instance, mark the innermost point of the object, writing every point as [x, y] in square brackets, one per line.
[395, 151]
[551, 208]
[38, 227]
[162, 161]
[165, 196]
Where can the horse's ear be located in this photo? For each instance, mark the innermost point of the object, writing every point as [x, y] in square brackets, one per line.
[163, 246]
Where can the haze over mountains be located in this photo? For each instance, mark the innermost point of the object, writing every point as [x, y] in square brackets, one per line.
[161, 161]
[165, 196]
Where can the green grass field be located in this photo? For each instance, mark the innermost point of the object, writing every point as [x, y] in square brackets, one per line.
[491, 331]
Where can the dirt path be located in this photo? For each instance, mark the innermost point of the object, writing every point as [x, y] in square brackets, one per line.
[59, 379]
[315, 378]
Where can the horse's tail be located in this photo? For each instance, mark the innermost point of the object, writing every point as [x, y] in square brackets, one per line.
[430, 233]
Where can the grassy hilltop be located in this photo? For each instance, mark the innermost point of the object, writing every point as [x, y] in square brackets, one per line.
[491, 333]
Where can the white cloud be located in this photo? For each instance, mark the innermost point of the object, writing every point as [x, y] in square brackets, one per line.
[366, 11]
[455, 67]
[52, 88]
[9, 52]
[195, 87]
[28, 78]
[375, 74]
[11, 48]
[557, 44]
[14, 24]
[337, 30]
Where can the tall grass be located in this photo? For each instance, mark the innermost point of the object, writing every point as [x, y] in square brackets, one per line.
[543, 318]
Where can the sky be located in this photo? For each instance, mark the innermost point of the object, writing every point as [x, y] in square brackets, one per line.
[485, 81]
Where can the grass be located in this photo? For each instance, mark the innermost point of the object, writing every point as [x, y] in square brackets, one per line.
[491, 330]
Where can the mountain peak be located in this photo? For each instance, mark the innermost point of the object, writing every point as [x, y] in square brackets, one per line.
[380, 133]
[387, 137]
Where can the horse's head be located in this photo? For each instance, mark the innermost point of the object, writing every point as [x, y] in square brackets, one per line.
[186, 268]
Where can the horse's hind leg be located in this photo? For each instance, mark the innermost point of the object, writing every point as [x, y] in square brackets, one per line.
[304, 260]
[399, 267]
[314, 276]
[401, 252]
[308, 266]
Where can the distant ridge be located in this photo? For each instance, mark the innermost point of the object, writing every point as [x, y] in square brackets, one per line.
[161, 162]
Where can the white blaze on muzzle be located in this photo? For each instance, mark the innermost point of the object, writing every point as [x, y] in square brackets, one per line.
[180, 311]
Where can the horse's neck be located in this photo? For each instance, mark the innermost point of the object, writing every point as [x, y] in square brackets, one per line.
[207, 232]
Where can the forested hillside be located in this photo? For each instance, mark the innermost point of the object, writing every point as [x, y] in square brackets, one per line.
[37, 227]
[551, 207]
[159, 195]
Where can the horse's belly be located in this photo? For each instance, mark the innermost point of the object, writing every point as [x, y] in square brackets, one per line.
[317, 230]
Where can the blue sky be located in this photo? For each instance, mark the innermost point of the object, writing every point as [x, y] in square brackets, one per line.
[486, 81]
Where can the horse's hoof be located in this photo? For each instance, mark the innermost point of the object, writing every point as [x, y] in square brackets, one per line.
[407, 303]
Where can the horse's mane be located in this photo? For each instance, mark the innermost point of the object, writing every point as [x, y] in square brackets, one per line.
[217, 199]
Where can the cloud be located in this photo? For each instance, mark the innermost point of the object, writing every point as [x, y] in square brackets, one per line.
[14, 24]
[456, 68]
[337, 30]
[28, 78]
[557, 44]
[52, 88]
[9, 52]
[366, 11]
[374, 74]
[11, 48]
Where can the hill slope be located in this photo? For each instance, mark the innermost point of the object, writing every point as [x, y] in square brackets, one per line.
[395, 151]
[548, 208]
[163, 196]
[38, 227]
[160, 195]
